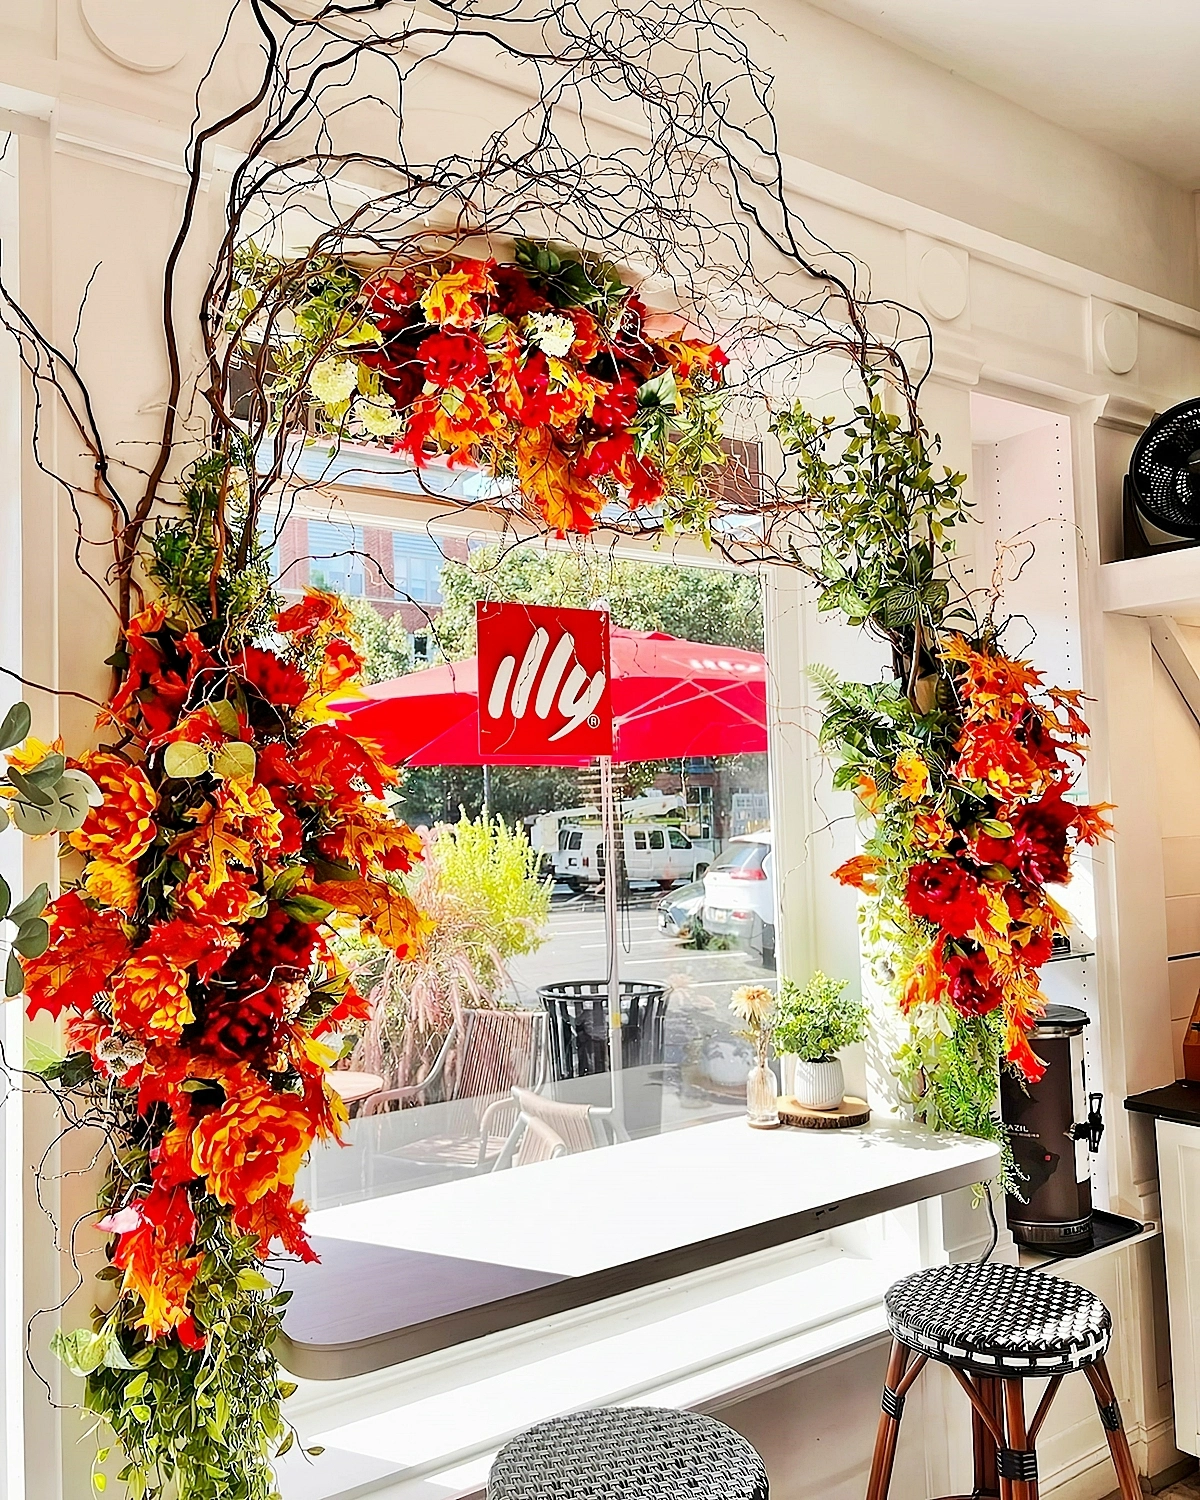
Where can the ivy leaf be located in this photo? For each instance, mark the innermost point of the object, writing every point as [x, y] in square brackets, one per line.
[183, 760]
[234, 761]
[15, 726]
[81, 1350]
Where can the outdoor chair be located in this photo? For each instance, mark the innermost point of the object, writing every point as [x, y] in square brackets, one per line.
[574, 1127]
[485, 1055]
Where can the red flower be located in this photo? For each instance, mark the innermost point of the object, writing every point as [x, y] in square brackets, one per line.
[587, 334]
[1040, 839]
[944, 893]
[454, 359]
[514, 294]
[971, 984]
[273, 678]
[617, 407]
[390, 302]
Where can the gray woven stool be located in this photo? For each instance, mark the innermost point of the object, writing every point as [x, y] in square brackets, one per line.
[995, 1326]
[628, 1453]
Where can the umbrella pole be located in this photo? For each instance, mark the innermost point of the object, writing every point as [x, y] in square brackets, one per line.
[612, 936]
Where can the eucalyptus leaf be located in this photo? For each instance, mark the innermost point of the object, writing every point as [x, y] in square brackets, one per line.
[32, 906]
[5, 898]
[5, 820]
[74, 803]
[33, 819]
[234, 761]
[14, 976]
[33, 938]
[29, 789]
[225, 714]
[15, 726]
[182, 760]
[48, 769]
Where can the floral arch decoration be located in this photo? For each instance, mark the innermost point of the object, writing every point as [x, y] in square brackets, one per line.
[583, 310]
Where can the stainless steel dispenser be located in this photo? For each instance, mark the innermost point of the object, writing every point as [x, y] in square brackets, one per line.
[1055, 1126]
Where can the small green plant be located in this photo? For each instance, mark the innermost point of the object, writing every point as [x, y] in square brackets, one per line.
[817, 1020]
[697, 936]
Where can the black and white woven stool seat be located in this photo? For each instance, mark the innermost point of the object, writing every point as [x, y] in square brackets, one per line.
[628, 1453]
[999, 1320]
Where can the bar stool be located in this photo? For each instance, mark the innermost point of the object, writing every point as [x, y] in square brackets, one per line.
[995, 1326]
[628, 1453]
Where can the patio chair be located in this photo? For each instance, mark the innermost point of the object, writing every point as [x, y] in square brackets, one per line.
[568, 1128]
[485, 1055]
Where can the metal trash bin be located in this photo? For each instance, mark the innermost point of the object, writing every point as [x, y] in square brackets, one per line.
[578, 1012]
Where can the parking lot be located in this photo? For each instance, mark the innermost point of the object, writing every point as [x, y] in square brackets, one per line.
[699, 1024]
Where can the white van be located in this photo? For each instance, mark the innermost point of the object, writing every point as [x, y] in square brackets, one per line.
[657, 852]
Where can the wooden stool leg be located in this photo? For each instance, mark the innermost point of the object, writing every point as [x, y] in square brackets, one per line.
[1118, 1446]
[889, 1425]
[1020, 1486]
[983, 1444]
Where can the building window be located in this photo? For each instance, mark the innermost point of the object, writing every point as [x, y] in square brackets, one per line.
[417, 568]
[335, 557]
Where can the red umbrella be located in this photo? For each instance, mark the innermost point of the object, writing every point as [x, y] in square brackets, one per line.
[671, 699]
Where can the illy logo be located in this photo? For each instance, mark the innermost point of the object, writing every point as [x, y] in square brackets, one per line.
[543, 682]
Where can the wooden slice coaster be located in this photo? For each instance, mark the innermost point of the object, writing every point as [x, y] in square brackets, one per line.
[849, 1112]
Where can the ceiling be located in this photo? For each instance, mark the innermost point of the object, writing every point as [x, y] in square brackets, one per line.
[1122, 73]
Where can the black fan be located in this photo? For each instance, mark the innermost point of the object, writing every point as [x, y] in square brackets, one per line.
[1162, 489]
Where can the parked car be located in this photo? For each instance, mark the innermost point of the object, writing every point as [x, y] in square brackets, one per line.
[679, 909]
[654, 852]
[739, 894]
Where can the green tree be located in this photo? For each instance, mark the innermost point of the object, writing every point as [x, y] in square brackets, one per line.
[385, 645]
[717, 606]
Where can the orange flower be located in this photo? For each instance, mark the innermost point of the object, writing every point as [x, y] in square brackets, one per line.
[913, 774]
[112, 883]
[153, 1253]
[150, 997]
[276, 1216]
[867, 792]
[122, 828]
[234, 901]
[254, 1144]
[315, 612]
[859, 871]
[450, 300]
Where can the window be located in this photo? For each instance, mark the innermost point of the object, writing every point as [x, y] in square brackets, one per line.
[417, 567]
[335, 552]
[456, 1040]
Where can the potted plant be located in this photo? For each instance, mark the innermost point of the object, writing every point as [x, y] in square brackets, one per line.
[814, 1023]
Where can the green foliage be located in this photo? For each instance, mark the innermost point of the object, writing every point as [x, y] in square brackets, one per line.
[720, 607]
[571, 278]
[434, 794]
[194, 557]
[949, 1075]
[490, 872]
[817, 1020]
[385, 647]
[198, 1424]
[881, 522]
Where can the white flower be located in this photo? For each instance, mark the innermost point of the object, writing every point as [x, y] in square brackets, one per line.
[753, 1004]
[334, 380]
[551, 332]
[379, 415]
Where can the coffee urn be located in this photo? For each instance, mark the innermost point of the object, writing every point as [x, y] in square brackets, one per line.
[1055, 1127]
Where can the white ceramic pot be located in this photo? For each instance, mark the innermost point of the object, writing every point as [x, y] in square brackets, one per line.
[819, 1085]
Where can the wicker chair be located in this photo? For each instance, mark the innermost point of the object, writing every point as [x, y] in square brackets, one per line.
[485, 1055]
[546, 1128]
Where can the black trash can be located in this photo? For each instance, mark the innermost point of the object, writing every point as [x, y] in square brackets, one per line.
[578, 1011]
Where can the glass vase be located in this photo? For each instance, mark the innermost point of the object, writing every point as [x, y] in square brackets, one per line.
[762, 1102]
